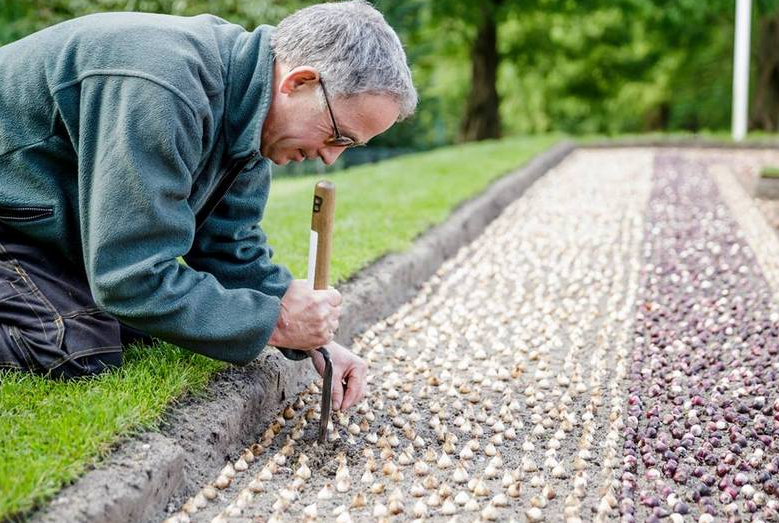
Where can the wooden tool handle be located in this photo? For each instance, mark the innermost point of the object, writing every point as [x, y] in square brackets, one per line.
[319, 270]
[322, 224]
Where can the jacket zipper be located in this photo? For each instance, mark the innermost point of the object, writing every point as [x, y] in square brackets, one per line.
[226, 180]
[23, 214]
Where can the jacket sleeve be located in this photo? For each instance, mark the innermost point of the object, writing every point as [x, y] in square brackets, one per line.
[138, 144]
[232, 246]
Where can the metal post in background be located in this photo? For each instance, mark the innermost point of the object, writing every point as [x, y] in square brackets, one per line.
[741, 69]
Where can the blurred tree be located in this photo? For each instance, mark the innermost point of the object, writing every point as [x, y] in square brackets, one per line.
[505, 66]
[695, 42]
[620, 65]
[21, 17]
[438, 55]
[466, 32]
[479, 26]
[765, 108]
[482, 119]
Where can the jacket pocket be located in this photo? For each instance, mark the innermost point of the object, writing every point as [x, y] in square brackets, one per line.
[25, 214]
[33, 322]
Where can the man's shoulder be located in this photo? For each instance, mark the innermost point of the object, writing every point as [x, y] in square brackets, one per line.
[129, 26]
[185, 52]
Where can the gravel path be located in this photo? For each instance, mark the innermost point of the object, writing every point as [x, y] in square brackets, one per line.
[606, 350]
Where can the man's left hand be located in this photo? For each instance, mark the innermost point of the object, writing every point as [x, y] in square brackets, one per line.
[350, 375]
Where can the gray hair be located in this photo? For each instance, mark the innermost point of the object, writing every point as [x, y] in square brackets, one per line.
[352, 47]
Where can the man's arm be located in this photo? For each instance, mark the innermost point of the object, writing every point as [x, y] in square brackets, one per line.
[232, 246]
[138, 144]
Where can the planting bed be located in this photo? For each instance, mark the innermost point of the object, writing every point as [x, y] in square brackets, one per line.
[607, 349]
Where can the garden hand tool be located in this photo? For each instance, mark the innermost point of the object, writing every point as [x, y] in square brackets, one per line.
[318, 274]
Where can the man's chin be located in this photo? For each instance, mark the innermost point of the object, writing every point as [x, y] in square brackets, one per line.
[284, 159]
[279, 159]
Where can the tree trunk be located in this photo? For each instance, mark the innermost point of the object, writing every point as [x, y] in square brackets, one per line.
[482, 119]
[765, 111]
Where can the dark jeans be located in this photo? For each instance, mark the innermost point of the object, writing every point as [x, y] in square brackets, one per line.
[49, 323]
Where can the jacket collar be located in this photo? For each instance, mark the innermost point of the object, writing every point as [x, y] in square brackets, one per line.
[248, 91]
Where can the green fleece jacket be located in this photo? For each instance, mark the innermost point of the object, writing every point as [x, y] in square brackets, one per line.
[114, 130]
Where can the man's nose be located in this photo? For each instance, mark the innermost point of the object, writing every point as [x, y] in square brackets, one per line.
[330, 154]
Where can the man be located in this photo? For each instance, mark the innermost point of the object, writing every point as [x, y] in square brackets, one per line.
[120, 135]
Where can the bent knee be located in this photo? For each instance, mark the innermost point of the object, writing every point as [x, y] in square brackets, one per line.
[88, 343]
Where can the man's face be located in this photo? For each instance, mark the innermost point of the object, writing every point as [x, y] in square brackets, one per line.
[298, 125]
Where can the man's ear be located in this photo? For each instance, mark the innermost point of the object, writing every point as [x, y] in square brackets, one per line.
[301, 76]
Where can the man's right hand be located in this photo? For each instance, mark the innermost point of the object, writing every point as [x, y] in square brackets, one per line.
[308, 318]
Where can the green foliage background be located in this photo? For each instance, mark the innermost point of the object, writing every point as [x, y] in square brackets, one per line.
[605, 66]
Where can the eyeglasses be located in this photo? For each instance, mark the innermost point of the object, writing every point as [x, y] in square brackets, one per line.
[338, 140]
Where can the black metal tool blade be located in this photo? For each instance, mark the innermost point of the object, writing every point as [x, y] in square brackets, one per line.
[327, 391]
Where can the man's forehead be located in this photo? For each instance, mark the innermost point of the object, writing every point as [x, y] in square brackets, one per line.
[369, 115]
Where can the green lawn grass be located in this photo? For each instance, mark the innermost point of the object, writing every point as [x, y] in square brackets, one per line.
[754, 137]
[770, 172]
[52, 432]
[381, 208]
